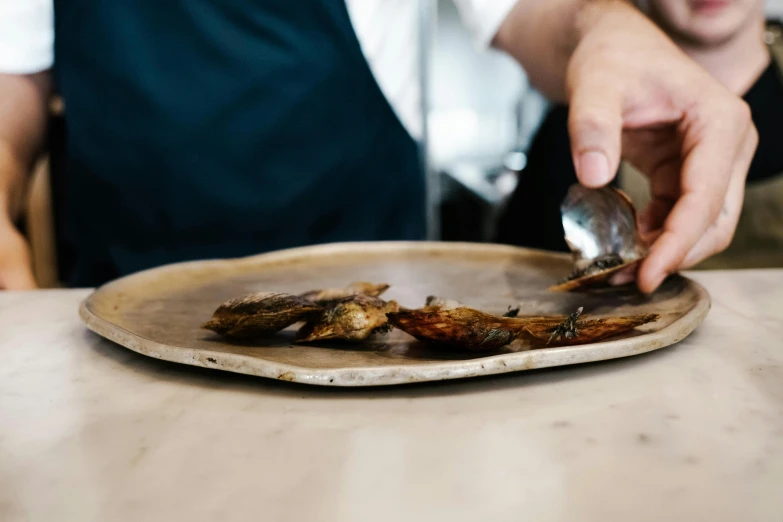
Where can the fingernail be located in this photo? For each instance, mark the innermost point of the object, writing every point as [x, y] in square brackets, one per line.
[594, 169]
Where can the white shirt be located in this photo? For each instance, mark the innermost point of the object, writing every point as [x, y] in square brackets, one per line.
[26, 36]
[387, 30]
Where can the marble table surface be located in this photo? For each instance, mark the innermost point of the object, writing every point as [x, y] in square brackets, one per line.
[90, 431]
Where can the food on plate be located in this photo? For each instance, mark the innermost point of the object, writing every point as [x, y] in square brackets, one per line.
[352, 318]
[260, 313]
[458, 327]
[602, 232]
[441, 303]
[576, 330]
[473, 330]
[442, 321]
[513, 311]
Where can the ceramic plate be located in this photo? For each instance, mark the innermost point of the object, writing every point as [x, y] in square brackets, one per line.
[159, 312]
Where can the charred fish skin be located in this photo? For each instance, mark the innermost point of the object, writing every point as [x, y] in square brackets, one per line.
[467, 329]
[331, 295]
[567, 328]
[259, 314]
[576, 329]
[351, 319]
[462, 327]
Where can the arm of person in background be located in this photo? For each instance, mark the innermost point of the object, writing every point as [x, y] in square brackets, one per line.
[632, 91]
[26, 36]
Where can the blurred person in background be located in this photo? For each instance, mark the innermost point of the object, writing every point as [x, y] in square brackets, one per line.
[732, 41]
[216, 129]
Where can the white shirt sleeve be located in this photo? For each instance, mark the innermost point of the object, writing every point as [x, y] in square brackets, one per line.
[388, 34]
[484, 17]
[26, 36]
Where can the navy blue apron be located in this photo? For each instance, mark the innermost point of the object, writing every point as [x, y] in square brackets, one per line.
[221, 128]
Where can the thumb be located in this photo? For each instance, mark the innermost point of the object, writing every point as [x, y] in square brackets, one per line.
[595, 125]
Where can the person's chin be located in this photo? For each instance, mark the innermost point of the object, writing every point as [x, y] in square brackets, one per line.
[708, 31]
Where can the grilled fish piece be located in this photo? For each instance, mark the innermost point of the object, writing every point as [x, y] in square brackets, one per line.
[460, 327]
[471, 330]
[575, 330]
[513, 311]
[329, 295]
[259, 314]
[352, 318]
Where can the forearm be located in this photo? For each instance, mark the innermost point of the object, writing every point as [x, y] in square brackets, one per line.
[542, 35]
[22, 130]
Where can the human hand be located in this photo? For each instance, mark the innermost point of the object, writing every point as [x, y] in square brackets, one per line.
[16, 271]
[631, 90]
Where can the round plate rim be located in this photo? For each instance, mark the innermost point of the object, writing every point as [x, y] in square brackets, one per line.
[389, 375]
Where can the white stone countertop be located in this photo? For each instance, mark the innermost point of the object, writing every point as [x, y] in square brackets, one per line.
[90, 431]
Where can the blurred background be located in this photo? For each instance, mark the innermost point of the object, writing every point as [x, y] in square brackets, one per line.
[482, 115]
